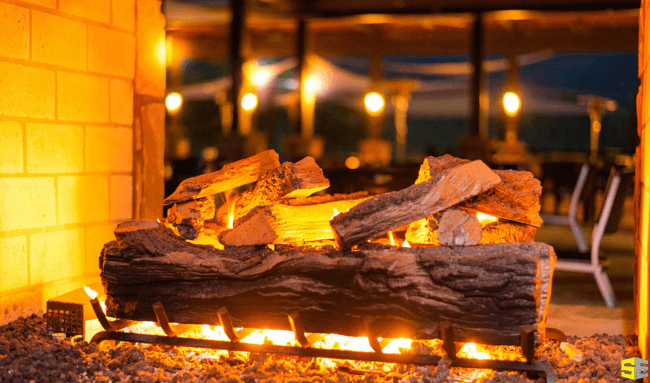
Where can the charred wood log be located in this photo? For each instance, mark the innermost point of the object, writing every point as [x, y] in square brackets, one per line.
[290, 180]
[488, 292]
[188, 217]
[231, 176]
[287, 223]
[459, 228]
[389, 211]
[515, 199]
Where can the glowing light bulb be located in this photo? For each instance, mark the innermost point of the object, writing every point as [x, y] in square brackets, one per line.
[249, 101]
[374, 102]
[313, 83]
[352, 163]
[173, 102]
[511, 103]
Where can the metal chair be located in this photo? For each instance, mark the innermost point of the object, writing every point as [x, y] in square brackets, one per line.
[570, 219]
[617, 185]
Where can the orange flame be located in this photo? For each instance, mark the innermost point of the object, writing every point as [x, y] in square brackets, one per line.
[231, 215]
[334, 213]
[469, 350]
[406, 244]
[91, 293]
[392, 238]
[484, 219]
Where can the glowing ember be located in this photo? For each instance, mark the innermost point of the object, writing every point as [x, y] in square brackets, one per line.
[91, 293]
[392, 238]
[469, 350]
[406, 244]
[484, 219]
[276, 337]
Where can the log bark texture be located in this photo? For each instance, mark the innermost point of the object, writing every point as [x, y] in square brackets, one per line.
[459, 228]
[189, 217]
[389, 211]
[290, 180]
[488, 292]
[287, 224]
[515, 199]
[231, 176]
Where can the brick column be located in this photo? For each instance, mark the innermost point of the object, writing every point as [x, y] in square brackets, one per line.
[149, 111]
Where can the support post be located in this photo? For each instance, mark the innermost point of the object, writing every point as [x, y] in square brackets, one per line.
[236, 57]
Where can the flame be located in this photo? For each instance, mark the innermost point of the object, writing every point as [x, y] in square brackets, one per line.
[334, 213]
[231, 215]
[484, 219]
[392, 238]
[158, 219]
[406, 244]
[276, 337]
[91, 293]
[397, 345]
[469, 351]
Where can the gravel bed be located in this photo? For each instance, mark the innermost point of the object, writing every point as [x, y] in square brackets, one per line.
[28, 353]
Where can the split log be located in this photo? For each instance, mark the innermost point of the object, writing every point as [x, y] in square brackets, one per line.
[504, 232]
[515, 199]
[389, 211]
[287, 224]
[425, 232]
[231, 176]
[290, 180]
[488, 292]
[188, 217]
[459, 228]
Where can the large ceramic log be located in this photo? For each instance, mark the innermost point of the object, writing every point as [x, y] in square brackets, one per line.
[231, 176]
[389, 211]
[488, 292]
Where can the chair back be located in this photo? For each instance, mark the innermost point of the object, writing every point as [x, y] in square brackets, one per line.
[615, 215]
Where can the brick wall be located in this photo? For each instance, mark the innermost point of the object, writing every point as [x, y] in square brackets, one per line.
[642, 188]
[67, 74]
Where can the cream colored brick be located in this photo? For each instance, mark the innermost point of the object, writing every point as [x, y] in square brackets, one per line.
[82, 199]
[122, 150]
[54, 148]
[11, 142]
[44, 3]
[14, 31]
[151, 71]
[82, 97]
[111, 52]
[27, 203]
[124, 14]
[57, 255]
[99, 146]
[26, 91]
[59, 41]
[96, 237]
[98, 10]
[121, 101]
[121, 197]
[13, 263]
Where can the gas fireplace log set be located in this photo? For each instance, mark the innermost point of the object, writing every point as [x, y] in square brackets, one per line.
[323, 258]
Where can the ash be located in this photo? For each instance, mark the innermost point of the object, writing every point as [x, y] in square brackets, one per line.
[29, 354]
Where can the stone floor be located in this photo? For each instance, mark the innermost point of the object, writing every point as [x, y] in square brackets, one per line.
[577, 307]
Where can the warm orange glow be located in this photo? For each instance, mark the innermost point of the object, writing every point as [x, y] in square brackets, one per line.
[173, 102]
[374, 102]
[261, 76]
[276, 337]
[231, 215]
[484, 219]
[335, 213]
[406, 244]
[249, 101]
[352, 163]
[511, 103]
[313, 83]
[91, 293]
[392, 239]
[397, 345]
[161, 52]
[469, 350]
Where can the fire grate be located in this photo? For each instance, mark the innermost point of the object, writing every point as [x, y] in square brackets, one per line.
[112, 333]
[63, 317]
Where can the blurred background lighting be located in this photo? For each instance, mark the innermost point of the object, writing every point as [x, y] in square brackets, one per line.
[352, 162]
[313, 83]
[261, 76]
[173, 102]
[374, 102]
[249, 101]
[511, 103]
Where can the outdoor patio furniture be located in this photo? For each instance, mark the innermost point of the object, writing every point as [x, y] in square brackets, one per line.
[610, 214]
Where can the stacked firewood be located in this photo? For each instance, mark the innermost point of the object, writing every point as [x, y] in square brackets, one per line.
[442, 207]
